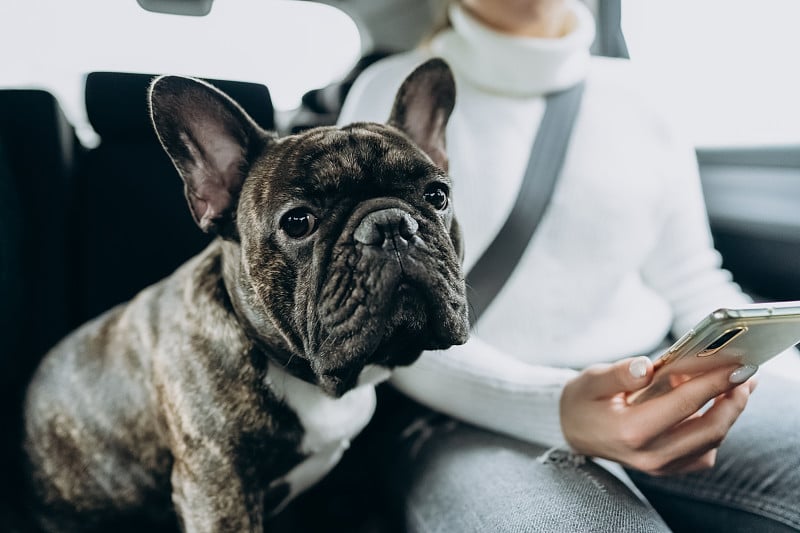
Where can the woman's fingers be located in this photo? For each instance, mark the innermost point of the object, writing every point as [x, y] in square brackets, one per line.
[688, 465]
[707, 431]
[667, 434]
[658, 415]
[688, 446]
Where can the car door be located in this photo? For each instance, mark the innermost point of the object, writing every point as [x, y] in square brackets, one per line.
[752, 195]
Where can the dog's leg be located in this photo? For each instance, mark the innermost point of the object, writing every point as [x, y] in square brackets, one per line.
[209, 496]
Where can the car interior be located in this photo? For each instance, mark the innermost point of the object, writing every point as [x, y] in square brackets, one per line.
[83, 228]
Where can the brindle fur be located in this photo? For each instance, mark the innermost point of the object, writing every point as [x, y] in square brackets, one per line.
[162, 406]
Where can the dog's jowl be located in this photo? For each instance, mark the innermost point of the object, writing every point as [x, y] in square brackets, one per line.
[239, 379]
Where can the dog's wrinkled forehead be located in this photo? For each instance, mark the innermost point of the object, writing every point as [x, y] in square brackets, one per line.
[368, 157]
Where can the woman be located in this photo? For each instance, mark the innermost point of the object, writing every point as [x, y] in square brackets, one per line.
[622, 258]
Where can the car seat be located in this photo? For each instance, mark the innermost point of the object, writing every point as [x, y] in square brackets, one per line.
[38, 148]
[133, 217]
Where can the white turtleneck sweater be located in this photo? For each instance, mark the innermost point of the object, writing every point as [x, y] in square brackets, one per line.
[622, 254]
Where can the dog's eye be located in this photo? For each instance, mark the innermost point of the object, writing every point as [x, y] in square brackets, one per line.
[436, 195]
[298, 223]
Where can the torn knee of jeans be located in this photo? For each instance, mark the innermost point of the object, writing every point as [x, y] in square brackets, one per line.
[560, 457]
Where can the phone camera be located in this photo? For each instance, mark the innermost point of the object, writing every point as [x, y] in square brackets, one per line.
[721, 341]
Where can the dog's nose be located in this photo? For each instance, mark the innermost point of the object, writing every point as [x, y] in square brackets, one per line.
[386, 226]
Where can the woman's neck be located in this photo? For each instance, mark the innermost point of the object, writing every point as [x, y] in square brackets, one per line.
[515, 65]
[545, 19]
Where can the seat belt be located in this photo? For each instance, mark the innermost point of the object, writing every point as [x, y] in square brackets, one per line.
[494, 267]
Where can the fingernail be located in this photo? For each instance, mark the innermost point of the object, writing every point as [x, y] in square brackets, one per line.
[638, 367]
[743, 373]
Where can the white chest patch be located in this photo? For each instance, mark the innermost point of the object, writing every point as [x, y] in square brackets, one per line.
[328, 423]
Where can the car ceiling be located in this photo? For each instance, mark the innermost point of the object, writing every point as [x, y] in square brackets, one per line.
[395, 25]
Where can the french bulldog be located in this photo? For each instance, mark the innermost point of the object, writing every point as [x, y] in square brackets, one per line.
[217, 394]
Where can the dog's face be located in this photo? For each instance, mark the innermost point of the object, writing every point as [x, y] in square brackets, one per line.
[341, 245]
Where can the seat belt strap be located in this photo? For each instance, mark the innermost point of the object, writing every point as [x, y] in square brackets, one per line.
[495, 266]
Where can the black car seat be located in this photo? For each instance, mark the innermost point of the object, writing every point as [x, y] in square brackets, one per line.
[38, 148]
[134, 220]
[11, 298]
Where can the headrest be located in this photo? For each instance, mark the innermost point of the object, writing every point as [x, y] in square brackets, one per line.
[32, 110]
[36, 131]
[116, 103]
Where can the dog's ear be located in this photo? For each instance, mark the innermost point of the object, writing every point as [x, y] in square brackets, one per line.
[423, 105]
[211, 141]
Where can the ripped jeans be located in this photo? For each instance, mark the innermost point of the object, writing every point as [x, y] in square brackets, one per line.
[445, 476]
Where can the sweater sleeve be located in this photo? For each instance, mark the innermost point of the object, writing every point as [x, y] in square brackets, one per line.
[684, 267]
[483, 386]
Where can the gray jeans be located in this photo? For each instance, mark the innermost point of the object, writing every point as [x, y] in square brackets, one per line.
[413, 470]
[451, 477]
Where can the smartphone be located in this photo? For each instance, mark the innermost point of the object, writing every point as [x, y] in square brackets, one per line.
[747, 335]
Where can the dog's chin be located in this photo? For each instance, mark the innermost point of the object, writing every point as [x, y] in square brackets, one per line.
[408, 330]
[400, 349]
[335, 386]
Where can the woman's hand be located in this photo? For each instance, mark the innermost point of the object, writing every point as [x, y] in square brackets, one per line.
[662, 436]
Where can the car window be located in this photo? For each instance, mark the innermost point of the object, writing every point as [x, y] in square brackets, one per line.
[724, 69]
[291, 47]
